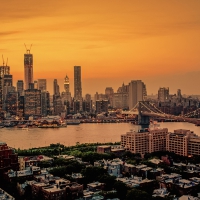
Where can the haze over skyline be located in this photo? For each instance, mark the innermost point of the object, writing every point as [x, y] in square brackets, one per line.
[113, 41]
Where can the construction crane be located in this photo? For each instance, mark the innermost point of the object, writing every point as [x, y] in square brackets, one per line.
[28, 50]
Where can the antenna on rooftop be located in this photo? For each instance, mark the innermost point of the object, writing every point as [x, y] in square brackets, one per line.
[28, 50]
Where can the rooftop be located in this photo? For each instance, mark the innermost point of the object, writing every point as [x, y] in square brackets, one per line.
[5, 195]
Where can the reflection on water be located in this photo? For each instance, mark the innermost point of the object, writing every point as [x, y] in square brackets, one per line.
[83, 133]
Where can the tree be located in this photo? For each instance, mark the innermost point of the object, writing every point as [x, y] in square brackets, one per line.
[137, 195]
[121, 189]
[93, 173]
[108, 180]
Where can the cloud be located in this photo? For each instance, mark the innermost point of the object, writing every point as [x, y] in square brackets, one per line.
[5, 33]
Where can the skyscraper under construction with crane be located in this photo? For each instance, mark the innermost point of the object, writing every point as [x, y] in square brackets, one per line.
[28, 68]
[4, 70]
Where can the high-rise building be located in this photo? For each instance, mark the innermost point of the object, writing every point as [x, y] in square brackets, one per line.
[163, 94]
[21, 107]
[42, 84]
[4, 70]
[121, 99]
[35, 84]
[137, 92]
[56, 88]
[101, 106]
[28, 68]
[57, 101]
[109, 92]
[45, 103]
[66, 95]
[11, 103]
[20, 87]
[32, 102]
[179, 93]
[77, 83]
[66, 84]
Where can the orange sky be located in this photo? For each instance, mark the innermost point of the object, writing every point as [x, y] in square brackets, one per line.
[115, 41]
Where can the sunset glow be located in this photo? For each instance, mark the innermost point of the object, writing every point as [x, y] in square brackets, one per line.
[157, 41]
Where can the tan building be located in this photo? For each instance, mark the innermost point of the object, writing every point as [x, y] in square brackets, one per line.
[177, 142]
[194, 146]
[145, 142]
[135, 142]
[182, 142]
[157, 140]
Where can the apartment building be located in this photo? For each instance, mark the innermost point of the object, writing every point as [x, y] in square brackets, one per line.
[177, 142]
[182, 142]
[194, 146]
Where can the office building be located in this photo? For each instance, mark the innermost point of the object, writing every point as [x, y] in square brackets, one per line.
[45, 103]
[42, 84]
[58, 106]
[35, 84]
[179, 96]
[163, 94]
[77, 106]
[87, 106]
[66, 84]
[21, 107]
[32, 102]
[28, 69]
[109, 92]
[20, 87]
[4, 70]
[77, 83]
[137, 92]
[101, 106]
[66, 95]
[11, 103]
[56, 88]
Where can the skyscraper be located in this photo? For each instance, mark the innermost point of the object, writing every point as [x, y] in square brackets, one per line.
[32, 102]
[77, 83]
[163, 94]
[28, 68]
[4, 70]
[66, 84]
[20, 87]
[56, 88]
[42, 84]
[137, 92]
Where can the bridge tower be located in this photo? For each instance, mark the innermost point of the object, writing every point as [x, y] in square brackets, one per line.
[143, 120]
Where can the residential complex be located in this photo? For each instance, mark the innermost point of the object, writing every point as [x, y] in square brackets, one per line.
[181, 142]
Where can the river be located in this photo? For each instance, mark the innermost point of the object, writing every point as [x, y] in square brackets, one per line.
[83, 133]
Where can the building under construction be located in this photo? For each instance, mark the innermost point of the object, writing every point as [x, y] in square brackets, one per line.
[28, 68]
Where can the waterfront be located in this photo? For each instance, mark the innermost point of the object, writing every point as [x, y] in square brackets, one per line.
[83, 133]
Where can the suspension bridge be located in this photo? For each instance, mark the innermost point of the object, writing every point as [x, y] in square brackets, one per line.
[146, 110]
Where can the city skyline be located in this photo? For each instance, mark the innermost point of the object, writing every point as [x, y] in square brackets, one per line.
[114, 42]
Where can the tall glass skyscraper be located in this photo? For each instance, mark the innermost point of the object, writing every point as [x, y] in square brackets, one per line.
[77, 83]
[28, 69]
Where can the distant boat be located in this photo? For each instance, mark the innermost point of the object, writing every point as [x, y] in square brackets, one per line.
[73, 122]
[25, 128]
